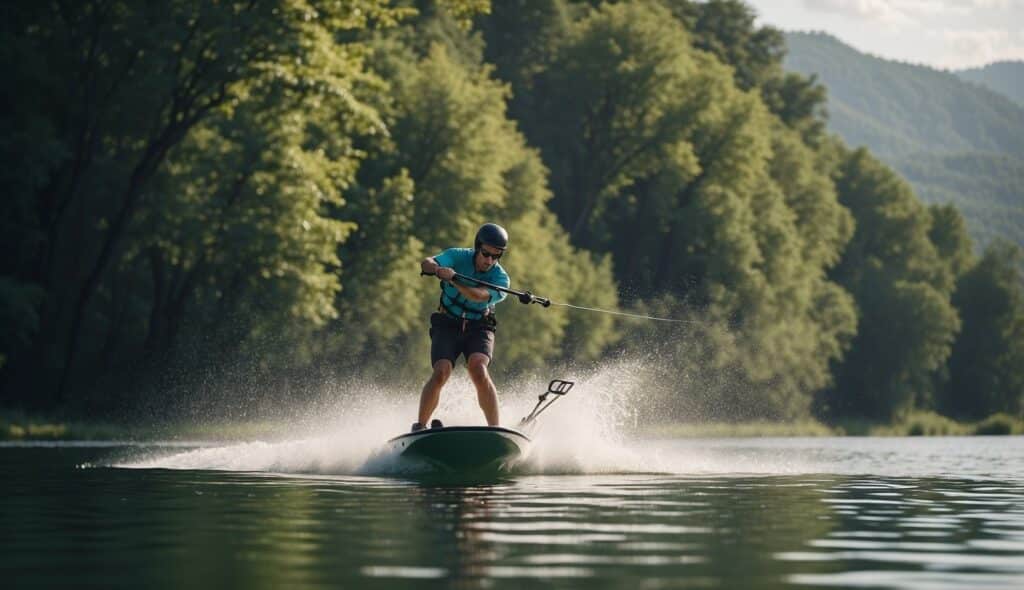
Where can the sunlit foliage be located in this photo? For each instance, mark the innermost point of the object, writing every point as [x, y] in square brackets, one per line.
[200, 192]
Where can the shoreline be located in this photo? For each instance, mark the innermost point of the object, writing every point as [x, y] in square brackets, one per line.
[915, 424]
[17, 426]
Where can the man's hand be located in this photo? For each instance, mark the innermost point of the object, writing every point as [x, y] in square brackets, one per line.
[445, 273]
[429, 266]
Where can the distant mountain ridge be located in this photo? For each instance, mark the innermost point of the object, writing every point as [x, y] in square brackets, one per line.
[897, 108]
[1004, 77]
[955, 140]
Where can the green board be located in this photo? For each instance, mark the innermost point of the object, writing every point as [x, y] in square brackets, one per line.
[463, 448]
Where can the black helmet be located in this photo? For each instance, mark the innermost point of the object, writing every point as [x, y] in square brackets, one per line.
[491, 234]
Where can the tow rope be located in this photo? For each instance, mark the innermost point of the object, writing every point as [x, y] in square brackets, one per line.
[525, 297]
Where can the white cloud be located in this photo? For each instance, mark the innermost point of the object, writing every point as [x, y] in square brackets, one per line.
[940, 33]
[930, 9]
[986, 4]
[975, 7]
[923, 8]
[983, 5]
[968, 48]
[906, 12]
[881, 11]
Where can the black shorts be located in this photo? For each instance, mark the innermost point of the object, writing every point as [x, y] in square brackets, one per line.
[448, 339]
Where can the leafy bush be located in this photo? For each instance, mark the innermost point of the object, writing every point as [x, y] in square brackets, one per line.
[932, 424]
[999, 424]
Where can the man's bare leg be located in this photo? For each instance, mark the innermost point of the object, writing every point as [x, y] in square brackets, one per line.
[486, 394]
[431, 394]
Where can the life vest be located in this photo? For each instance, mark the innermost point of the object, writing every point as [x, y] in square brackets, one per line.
[456, 306]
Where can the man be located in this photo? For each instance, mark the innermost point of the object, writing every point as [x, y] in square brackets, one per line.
[464, 322]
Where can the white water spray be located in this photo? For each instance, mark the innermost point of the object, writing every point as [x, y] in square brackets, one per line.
[584, 433]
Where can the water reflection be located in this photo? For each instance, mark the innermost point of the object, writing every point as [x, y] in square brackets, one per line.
[163, 528]
[918, 533]
[729, 532]
[450, 512]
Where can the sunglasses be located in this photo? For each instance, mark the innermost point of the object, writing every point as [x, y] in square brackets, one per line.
[491, 255]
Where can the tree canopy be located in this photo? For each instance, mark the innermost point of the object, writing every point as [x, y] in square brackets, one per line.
[201, 193]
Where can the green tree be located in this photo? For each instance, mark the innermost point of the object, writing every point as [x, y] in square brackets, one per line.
[250, 255]
[725, 28]
[800, 103]
[698, 192]
[109, 92]
[987, 363]
[459, 162]
[18, 305]
[522, 37]
[901, 285]
[948, 233]
[614, 100]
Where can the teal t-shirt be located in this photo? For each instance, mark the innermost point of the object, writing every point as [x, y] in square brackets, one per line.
[461, 260]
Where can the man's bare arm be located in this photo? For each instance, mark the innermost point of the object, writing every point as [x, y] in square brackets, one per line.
[472, 293]
[430, 266]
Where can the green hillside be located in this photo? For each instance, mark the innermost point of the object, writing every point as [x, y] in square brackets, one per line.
[987, 188]
[1004, 77]
[955, 141]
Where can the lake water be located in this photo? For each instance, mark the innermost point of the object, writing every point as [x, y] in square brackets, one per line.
[701, 513]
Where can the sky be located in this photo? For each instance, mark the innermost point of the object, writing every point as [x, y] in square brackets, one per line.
[944, 34]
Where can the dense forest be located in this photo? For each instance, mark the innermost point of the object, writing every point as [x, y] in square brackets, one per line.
[1004, 77]
[207, 193]
[956, 141]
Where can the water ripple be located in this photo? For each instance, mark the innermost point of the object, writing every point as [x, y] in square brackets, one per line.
[849, 526]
